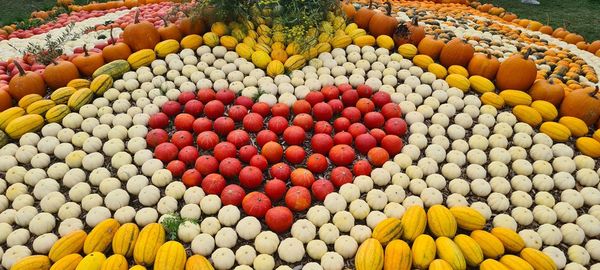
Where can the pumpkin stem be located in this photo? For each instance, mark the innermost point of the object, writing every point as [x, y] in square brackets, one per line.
[401, 30]
[592, 94]
[527, 53]
[389, 8]
[136, 19]
[112, 39]
[20, 68]
[415, 21]
[370, 4]
[85, 51]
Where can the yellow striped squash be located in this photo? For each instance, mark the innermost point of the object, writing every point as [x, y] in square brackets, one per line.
[323, 37]
[62, 95]
[515, 97]
[481, 84]
[149, 240]
[79, 98]
[27, 100]
[137, 267]
[398, 256]
[275, 68]
[244, 50]
[323, 47]
[537, 259]
[79, 83]
[510, 239]
[422, 60]
[210, 39]
[596, 135]
[515, 262]
[278, 46]
[141, 58]
[170, 256]
[459, 81]
[407, 50]
[115, 262]
[439, 264]
[366, 40]
[369, 255]
[263, 29]
[470, 249]
[385, 41]
[265, 40]
[261, 59]
[546, 109]
[68, 244]
[198, 262]
[10, 114]
[40, 107]
[35, 262]
[441, 222]
[124, 239]
[92, 261]
[57, 113]
[294, 62]
[448, 251]
[490, 245]
[293, 48]
[101, 83]
[101, 236]
[228, 42]
[24, 124]
[340, 41]
[238, 34]
[423, 251]
[527, 115]
[556, 131]
[468, 218]
[262, 47]
[68, 262]
[356, 33]
[438, 70]
[387, 230]
[350, 27]
[219, 28]
[413, 222]
[166, 47]
[115, 69]
[577, 126]
[192, 41]
[491, 264]
[588, 146]
[492, 99]
[249, 41]
[460, 70]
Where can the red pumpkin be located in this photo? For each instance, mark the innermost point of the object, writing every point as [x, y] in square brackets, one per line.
[275, 189]
[322, 111]
[213, 183]
[321, 188]
[22, 84]
[176, 167]
[206, 164]
[279, 219]
[182, 139]
[246, 152]
[156, 137]
[364, 143]
[232, 195]
[272, 151]
[301, 106]
[188, 154]
[323, 127]
[253, 122]
[294, 135]
[295, 154]
[517, 72]
[302, 177]
[265, 136]
[193, 107]
[298, 198]
[342, 155]
[202, 124]
[362, 167]
[166, 152]
[456, 52]
[256, 204]
[340, 176]
[191, 178]
[280, 171]
[321, 143]
[238, 137]
[377, 156]
[317, 163]
[303, 120]
[214, 109]
[171, 108]
[277, 124]
[230, 168]
[395, 126]
[224, 150]
[374, 120]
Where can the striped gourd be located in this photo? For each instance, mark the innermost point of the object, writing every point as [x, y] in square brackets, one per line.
[537, 259]
[40, 107]
[423, 251]
[141, 58]
[527, 115]
[515, 97]
[244, 50]
[57, 113]
[192, 41]
[470, 249]
[62, 95]
[124, 240]
[24, 124]
[387, 230]
[68, 262]
[515, 262]
[27, 100]
[468, 218]
[577, 126]
[101, 236]
[441, 222]
[115, 69]
[440, 264]
[481, 84]
[79, 83]
[10, 114]
[198, 262]
[68, 244]
[398, 256]
[366, 40]
[79, 98]
[492, 99]
[422, 60]
[491, 264]
[490, 245]
[115, 262]
[275, 68]
[448, 251]
[323, 47]
[369, 255]
[92, 261]
[294, 62]
[228, 42]
[166, 47]
[556, 131]
[459, 81]
[511, 240]
[101, 83]
[170, 256]
[414, 222]
[149, 241]
[356, 33]
[35, 262]
[341, 41]
[137, 267]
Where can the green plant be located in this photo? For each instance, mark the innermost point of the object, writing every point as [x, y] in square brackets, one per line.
[171, 225]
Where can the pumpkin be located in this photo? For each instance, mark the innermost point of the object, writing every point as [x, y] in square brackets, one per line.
[59, 74]
[456, 52]
[348, 9]
[594, 47]
[431, 46]
[116, 50]
[517, 72]
[583, 104]
[547, 90]
[140, 35]
[25, 83]
[382, 23]
[192, 25]
[409, 32]
[169, 31]
[484, 65]
[5, 99]
[363, 16]
[88, 62]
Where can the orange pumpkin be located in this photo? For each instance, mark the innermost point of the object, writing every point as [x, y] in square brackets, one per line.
[383, 24]
[431, 47]
[88, 62]
[417, 32]
[348, 9]
[594, 47]
[140, 35]
[456, 52]
[6, 100]
[192, 25]
[169, 31]
[363, 16]
[517, 72]
[59, 74]
[116, 50]
[583, 104]
[548, 91]
[484, 65]
[25, 83]
[573, 38]
[546, 29]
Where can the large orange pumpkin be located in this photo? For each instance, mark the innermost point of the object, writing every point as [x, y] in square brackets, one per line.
[383, 24]
[431, 46]
[140, 35]
[456, 52]
[59, 74]
[363, 16]
[548, 91]
[583, 104]
[88, 62]
[192, 25]
[417, 32]
[517, 72]
[169, 31]
[25, 83]
[116, 50]
[484, 65]
[348, 9]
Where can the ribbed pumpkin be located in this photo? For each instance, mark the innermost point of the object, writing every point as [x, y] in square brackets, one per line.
[583, 104]
[59, 74]
[431, 46]
[125, 238]
[407, 50]
[366, 40]
[369, 255]
[10, 114]
[198, 262]
[140, 35]
[68, 262]
[440, 221]
[101, 236]
[511, 241]
[79, 98]
[515, 97]
[101, 83]
[588, 146]
[57, 113]
[385, 41]
[387, 230]
[490, 245]
[556, 131]
[422, 60]
[398, 256]
[491, 264]
[88, 62]
[458, 69]
[35, 262]
[40, 107]
[341, 41]
[413, 222]
[577, 126]
[517, 72]
[456, 52]
[547, 90]
[383, 23]
[170, 256]
[539, 260]
[484, 65]
[115, 262]
[25, 83]
[115, 69]
[275, 68]
[492, 99]
[527, 115]
[149, 241]
[515, 262]
[115, 50]
[294, 62]
[470, 249]
[448, 251]
[79, 83]
[423, 251]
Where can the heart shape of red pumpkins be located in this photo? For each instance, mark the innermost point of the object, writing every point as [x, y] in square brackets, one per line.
[229, 145]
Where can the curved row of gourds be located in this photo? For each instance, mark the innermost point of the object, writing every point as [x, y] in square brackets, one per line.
[435, 234]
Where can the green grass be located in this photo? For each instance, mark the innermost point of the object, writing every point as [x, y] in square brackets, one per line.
[580, 16]
[18, 10]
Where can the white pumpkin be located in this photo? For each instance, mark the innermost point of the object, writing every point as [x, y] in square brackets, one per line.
[245, 255]
[248, 228]
[69, 225]
[42, 223]
[318, 215]
[125, 214]
[346, 246]
[593, 248]
[335, 202]
[203, 244]
[483, 208]
[578, 254]
[557, 255]
[572, 234]
[303, 230]
[44, 242]
[226, 237]
[565, 212]
[14, 254]
[223, 258]
[263, 262]
[531, 238]
[24, 215]
[291, 250]
[146, 216]
[522, 215]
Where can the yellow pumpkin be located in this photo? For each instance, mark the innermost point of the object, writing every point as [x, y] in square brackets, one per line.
[385, 41]
[588, 146]
[275, 68]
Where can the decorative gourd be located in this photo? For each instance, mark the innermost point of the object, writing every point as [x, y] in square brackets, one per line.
[490, 245]
[528, 115]
[27, 100]
[166, 47]
[491, 264]
[458, 69]
[481, 84]
[431, 46]
[438, 70]
[440, 221]
[57, 113]
[546, 109]
[228, 42]
[115, 69]
[363, 16]
[101, 83]
[470, 249]
[88, 62]
[275, 68]
[510, 239]
[59, 74]
[384, 41]
[556, 131]
[24, 124]
[115, 50]
[448, 251]
[459, 81]
[79, 98]
[515, 97]
[413, 222]
[422, 60]
[341, 41]
[583, 104]
[517, 72]
[439, 264]
[35, 262]
[169, 31]
[369, 255]
[92, 261]
[68, 262]
[25, 83]
[366, 40]
[456, 52]
[149, 241]
[198, 262]
[115, 262]
[140, 35]
[101, 236]
[387, 230]
[398, 256]
[124, 239]
[515, 262]
[577, 126]
[62, 95]
[547, 90]
[10, 114]
[484, 65]
[79, 83]
[68, 244]
[588, 146]
[294, 62]
[192, 41]
[192, 25]
[407, 50]
[383, 23]
[40, 107]
[423, 251]
[537, 259]
[141, 58]
[170, 256]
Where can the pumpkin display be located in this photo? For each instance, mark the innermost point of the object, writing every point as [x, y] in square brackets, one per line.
[456, 52]
[25, 83]
[115, 50]
[547, 90]
[88, 62]
[484, 65]
[583, 104]
[59, 74]
[383, 23]
[140, 35]
[517, 72]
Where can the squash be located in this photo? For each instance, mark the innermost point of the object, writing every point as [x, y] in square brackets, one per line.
[59, 74]
[101, 236]
[124, 239]
[210, 39]
[166, 47]
[228, 42]
[422, 61]
[68, 262]
[275, 68]
[491, 264]
[170, 256]
[27, 100]
[547, 90]
[57, 113]
[366, 40]
[92, 261]
[4, 140]
[556, 131]
[398, 256]
[439, 264]
[515, 262]
[79, 98]
[385, 41]
[115, 69]
[25, 83]
[79, 83]
[62, 95]
[481, 84]
[468, 218]
[431, 46]
[456, 52]
[577, 126]
[583, 104]
[470, 249]
[537, 259]
[423, 251]
[588, 146]
[261, 59]
[387, 230]
[515, 97]
[35, 262]
[448, 251]
[440, 221]
[101, 83]
[456, 69]
[40, 107]
[484, 65]
[369, 255]
[407, 50]
[198, 262]
[149, 241]
[141, 58]
[438, 70]
[545, 109]
[244, 50]
[458, 81]
[24, 124]
[115, 262]
[88, 62]
[596, 135]
[10, 114]
[294, 62]
[68, 244]
[192, 42]
[511, 241]
[196, 24]
[413, 222]
[140, 35]
[517, 72]
[527, 115]
[490, 245]
[341, 41]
